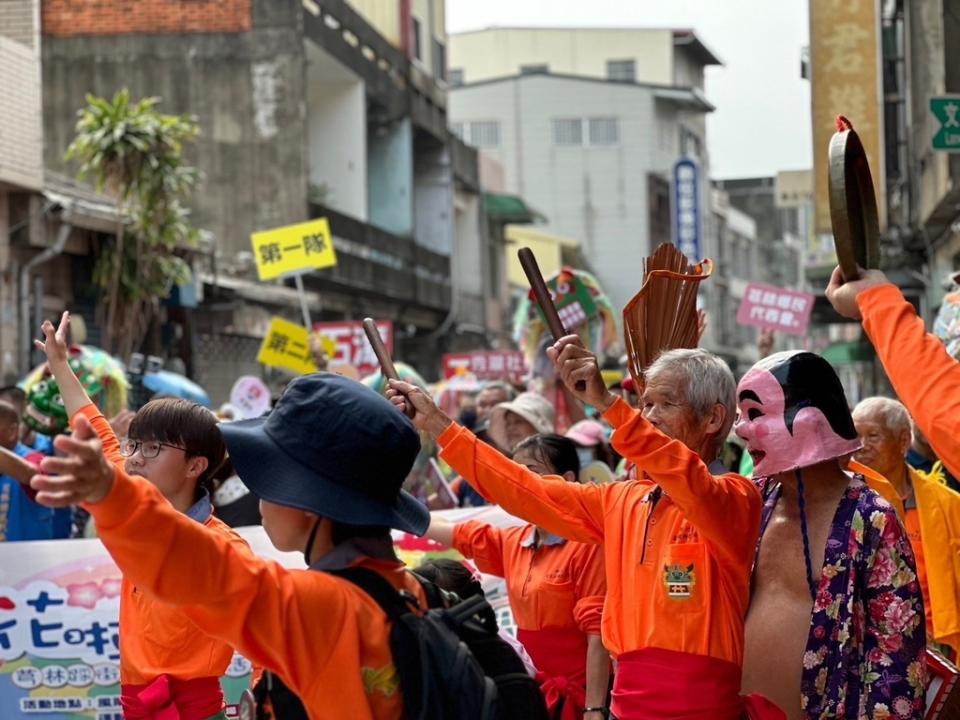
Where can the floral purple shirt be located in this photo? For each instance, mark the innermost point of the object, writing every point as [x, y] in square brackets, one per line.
[865, 655]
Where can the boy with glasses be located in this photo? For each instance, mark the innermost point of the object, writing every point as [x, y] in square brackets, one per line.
[168, 667]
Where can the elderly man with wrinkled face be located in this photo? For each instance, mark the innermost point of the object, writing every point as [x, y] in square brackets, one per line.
[678, 542]
[835, 626]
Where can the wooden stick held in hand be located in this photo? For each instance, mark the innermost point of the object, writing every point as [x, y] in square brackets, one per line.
[383, 357]
[530, 268]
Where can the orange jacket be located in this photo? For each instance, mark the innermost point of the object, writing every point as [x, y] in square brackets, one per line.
[926, 378]
[558, 585]
[677, 565]
[324, 636]
[157, 638]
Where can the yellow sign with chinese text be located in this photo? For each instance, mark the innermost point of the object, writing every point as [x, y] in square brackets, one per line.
[287, 345]
[846, 80]
[294, 248]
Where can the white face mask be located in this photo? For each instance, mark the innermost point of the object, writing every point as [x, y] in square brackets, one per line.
[586, 456]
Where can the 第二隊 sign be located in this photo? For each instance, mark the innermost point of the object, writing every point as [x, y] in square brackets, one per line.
[287, 345]
[294, 248]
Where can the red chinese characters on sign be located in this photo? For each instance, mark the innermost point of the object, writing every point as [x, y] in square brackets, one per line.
[351, 346]
[773, 308]
[486, 365]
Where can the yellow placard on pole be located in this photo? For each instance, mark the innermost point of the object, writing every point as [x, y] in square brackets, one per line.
[294, 248]
[287, 345]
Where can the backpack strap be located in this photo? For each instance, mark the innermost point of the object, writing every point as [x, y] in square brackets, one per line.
[395, 603]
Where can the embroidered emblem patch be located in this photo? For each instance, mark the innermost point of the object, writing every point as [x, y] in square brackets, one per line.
[380, 680]
[679, 581]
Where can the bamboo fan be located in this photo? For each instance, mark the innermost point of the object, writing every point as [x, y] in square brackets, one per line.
[663, 315]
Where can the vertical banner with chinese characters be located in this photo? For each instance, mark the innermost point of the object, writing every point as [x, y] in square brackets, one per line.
[773, 308]
[846, 79]
[687, 218]
[59, 630]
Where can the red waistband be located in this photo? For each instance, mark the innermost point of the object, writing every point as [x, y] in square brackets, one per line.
[169, 698]
[560, 656]
[657, 684]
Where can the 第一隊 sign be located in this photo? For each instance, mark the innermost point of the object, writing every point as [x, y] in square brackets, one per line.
[294, 248]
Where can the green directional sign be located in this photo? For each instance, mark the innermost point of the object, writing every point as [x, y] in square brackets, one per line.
[946, 115]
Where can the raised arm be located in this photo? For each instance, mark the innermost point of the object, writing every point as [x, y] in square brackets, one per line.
[257, 606]
[55, 347]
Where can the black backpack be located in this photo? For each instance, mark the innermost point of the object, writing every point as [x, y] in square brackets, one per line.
[451, 661]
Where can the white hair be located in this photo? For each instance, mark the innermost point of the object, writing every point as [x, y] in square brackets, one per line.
[708, 382]
[891, 413]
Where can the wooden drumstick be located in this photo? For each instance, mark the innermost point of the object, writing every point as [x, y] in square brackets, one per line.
[530, 268]
[387, 367]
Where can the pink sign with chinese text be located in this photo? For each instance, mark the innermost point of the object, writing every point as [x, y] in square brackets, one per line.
[486, 364]
[773, 308]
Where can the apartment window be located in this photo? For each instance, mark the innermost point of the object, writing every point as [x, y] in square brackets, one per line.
[604, 131]
[568, 131]
[622, 70]
[485, 134]
[457, 129]
[455, 77]
[439, 60]
[539, 69]
[417, 47]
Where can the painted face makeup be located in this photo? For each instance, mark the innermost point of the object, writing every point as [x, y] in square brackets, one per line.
[793, 414]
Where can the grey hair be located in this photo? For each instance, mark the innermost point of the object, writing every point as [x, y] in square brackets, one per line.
[709, 381]
[500, 385]
[892, 413]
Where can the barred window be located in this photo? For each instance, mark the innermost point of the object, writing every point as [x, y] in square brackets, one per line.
[457, 129]
[567, 131]
[622, 70]
[604, 131]
[485, 134]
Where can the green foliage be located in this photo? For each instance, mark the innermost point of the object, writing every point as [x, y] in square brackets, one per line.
[135, 153]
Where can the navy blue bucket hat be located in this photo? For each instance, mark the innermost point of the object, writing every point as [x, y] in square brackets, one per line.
[333, 447]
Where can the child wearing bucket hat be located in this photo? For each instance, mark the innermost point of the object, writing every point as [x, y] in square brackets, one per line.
[328, 464]
[168, 668]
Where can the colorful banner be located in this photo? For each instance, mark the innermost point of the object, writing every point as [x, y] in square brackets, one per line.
[773, 308]
[346, 344]
[59, 635]
[486, 365]
[294, 248]
[845, 79]
[287, 345]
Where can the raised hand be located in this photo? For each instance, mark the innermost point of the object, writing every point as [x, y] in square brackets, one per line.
[55, 345]
[843, 295]
[80, 474]
[428, 417]
[574, 364]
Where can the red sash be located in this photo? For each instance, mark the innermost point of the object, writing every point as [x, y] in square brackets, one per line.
[168, 698]
[560, 656]
[656, 684]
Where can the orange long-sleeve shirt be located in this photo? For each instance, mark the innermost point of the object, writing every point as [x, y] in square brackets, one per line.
[926, 378]
[559, 585]
[677, 563]
[157, 638]
[324, 636]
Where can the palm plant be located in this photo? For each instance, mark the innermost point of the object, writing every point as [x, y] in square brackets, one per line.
[135, 153]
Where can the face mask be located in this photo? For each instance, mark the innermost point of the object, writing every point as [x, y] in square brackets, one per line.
[793, 414]
[585, 455]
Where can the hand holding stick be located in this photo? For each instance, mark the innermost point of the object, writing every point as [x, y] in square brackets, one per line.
[529, 264]
[383, 357]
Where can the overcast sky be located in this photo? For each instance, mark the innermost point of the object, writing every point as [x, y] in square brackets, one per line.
[762, 121]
